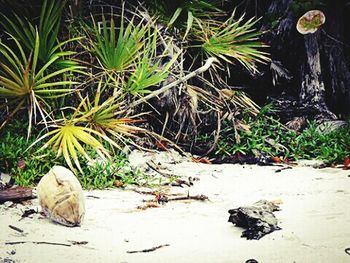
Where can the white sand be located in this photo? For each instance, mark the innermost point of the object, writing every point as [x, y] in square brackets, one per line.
[315, 221]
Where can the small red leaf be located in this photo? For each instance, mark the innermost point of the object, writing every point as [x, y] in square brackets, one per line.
[21, 164]
[162, 145]
[276, 159]
[346, 163]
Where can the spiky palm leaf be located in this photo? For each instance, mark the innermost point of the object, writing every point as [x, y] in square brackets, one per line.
[24, 83]
[47, 27]
[107, 117]
[91, 123]
[70, 139]
[117, 53]
[233, 40]
[149, 70]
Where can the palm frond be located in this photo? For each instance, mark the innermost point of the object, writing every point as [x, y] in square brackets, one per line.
[48, 26]
[23, 80]
[117, 53]
[233, 40]
[149, 69]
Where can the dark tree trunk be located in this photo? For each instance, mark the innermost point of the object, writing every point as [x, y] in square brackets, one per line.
[318, 62]
[334, 57]
[312, 93]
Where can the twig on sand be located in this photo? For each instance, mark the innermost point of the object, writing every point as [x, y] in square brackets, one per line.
[37, 243]
[78, 242]
[148, 205]
[147, 249]
[155, 193]
[166, 199]
[93, 197]
[156, 168]
[284, 168]
[189, 197]
[16, 228]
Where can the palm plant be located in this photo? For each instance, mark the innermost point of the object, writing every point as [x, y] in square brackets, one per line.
[117, 53]
[91, 123]
[24, 83]
[67, 136]
[231, 40]
[149, 69]
[47, 27]
[104, 117]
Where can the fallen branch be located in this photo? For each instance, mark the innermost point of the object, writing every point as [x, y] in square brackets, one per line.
[37, 243]
[166, 199]
[147, 250]
[181, 183]
[148, 205]
[155, 93]
[155, 193]
[16, 194]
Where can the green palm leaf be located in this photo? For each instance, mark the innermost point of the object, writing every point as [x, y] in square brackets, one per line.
[233, 40]
[23, 80]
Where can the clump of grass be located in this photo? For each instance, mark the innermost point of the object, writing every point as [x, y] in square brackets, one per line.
[25, 166]
[268, 136]
[331, 147]
[108, 173]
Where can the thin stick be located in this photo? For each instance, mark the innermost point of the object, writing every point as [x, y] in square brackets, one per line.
[16, 228]
[189, 197]
[38, 243]
[147, 250]
[155, 93]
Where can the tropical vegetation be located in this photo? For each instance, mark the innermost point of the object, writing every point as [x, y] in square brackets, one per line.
[80, 85]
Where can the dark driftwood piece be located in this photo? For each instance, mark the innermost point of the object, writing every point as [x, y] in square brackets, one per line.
[16, 194]
[258, 219]
[27, 213]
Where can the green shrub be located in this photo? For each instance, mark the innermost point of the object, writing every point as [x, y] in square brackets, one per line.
[268, 136]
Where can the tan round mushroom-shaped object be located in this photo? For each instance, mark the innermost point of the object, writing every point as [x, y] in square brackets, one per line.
[61, 196]
[310, 22]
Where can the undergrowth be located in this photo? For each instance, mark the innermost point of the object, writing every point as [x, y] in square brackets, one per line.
[27, 166]
[268, 136]
[265, 136]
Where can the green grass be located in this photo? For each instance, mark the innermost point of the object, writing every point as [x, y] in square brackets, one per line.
[266, 135]
[109, 173]
[13, 146]
[14, 151]
[270, 137]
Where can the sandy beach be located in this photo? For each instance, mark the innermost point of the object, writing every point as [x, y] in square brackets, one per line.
[314, 217]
